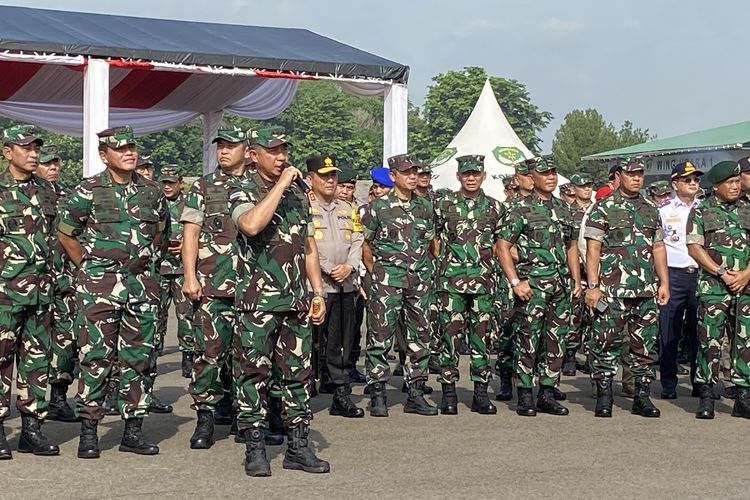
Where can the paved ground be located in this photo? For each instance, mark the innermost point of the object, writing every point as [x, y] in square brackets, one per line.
[408, 456]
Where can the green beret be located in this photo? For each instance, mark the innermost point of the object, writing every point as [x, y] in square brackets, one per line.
[581, 179]
[347, 174]
[470, 163]
[723, 171]
[659, 187]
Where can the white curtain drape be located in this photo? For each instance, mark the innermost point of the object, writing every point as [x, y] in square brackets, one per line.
[96, 102]
[211, 124]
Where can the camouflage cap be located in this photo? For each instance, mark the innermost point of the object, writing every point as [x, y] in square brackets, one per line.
[170, 173]
[508, 182]
[144, 161]
[232, 134]
[684, 169]
[422, 167]
[268, 137]
[322, 164]
[402, 163]
[521, 167]
[347, 175]
[22, 135]
[567, 189]
[48, 153]
[539, 164]
[659, 188]
[744, 164]
[470, 163]
[632, 165]
[723, 171]
[117, 137]
[581, 179]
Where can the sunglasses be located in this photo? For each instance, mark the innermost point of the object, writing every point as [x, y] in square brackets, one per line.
[689, 180]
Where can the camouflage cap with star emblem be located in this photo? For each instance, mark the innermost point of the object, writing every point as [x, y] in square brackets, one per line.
[268, 137]
[581, 179]
[233, 134]
[567, 189]
[470, 163]
[401, 163]
[422, 166]
[170, 173]
[48, 153]
[632, 165]
[658, 188]
[322, 164]
[117, 137]
[22, 135]
[539, 164]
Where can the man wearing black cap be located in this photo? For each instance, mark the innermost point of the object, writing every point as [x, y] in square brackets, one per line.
[744, 164]
[680, 314]
[145, 167]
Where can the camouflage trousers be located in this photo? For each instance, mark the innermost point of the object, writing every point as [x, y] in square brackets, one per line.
[214, 325]
[25, 342]
[639, 318]
[115, 337]
[64, 342]
[465, 314]
[387, 305]
[720, 315]
[541, 323]
[505, 321]
[436, 336]
[171, 290]
[265, 339]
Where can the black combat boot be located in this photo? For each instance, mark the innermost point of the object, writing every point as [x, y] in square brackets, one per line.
[449, 401]
[506, 385]
[274, 434]
[157, 406]
[741, 406]
[109, 406]
[480, 403]
[433, 365]
[133, 440]
[427, 389]
[642, 404]
[525, 406]
[569, 363]
[223, 414]
[558, 394]
[604, 398]
[32, 439]
[546, 402]
[187, 364]
[203, 437]
[299, 455]
[706, 405]
[5, 453]
[378, 400]
[343, 406]
[58, 406]
[88, 441]
[256, 462]
[416, 403]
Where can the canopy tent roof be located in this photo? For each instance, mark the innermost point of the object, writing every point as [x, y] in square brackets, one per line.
[486, 132]
[735, 136]
[181, 42]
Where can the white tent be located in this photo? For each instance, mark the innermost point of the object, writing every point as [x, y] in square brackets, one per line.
[486, 132]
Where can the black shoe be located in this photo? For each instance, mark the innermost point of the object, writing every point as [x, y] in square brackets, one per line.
[558, 394]
[276, 429]
[343, 406]
[741, 406]
[642, 404]
[187, 364]
[5, 453]
[480, 403]
[378, 400]
[706, 405]
[203, 437]
[32, 439]
[506, 385]
[668, 394]
[357, 377]
[569, 363]
[223, 414]
[427, 389]
[546, 402]
[88, 441]
[256, 462]
[398, 371]
[58, 406]
[604, 399]
[366, 390]
[525, 406]
[449, 400]
[416, 403]
[299, 455]
[133, 440]
[157, 406]
[433, 365]
[730, 392]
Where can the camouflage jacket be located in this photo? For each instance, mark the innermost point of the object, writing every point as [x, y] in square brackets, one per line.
[723, 229]
[63, 269]
[207, 205]
[271, 274]
[27, 214]
[399, 233]
[627, 229]
[541, 230]
[468, 229]
[120, 227]
[172, 264]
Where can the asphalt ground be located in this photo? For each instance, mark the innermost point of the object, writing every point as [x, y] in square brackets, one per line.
[410, 456]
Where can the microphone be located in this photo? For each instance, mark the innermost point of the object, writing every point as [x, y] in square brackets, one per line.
[302, 185]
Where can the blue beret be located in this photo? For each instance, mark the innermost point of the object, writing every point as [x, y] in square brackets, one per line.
[381, 175]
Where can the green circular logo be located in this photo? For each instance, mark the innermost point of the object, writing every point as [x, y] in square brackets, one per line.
[507, 156]
[443, 157]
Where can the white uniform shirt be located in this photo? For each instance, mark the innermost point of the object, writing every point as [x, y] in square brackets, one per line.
[674, 217]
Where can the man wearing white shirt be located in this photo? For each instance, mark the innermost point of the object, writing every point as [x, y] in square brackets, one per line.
[680, 314]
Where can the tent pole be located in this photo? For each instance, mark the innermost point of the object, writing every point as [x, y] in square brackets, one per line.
[395, 127]
[95, 112]
[211, 124]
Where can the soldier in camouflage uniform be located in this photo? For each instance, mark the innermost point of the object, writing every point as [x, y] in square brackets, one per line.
[659, 192]
[27, 213]
[718, 239]
[112, 228]
[468, 227]
[172, 275]
[145, 167]
[539, 226]
[64, 344]
[567, 194]
[277, 257]
[624, 235]
[399, 231]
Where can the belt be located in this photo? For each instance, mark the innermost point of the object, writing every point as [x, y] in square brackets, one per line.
[688, 270]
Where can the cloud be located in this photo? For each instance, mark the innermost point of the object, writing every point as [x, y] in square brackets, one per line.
[562, 27]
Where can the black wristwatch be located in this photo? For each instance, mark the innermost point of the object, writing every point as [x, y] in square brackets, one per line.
[721, 270]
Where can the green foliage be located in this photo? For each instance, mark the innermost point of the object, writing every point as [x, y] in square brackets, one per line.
[586, 132]
[451, 99]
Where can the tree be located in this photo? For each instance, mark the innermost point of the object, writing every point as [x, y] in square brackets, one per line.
[452, 97]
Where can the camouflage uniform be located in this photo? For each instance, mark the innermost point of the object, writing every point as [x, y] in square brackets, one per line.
[580, 330]
[505, 312]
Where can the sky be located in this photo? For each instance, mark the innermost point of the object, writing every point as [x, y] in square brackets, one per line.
[670, 66]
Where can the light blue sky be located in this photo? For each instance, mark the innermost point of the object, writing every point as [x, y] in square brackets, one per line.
[671, 66]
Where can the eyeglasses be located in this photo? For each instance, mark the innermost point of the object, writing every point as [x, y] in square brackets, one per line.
[690, 180]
